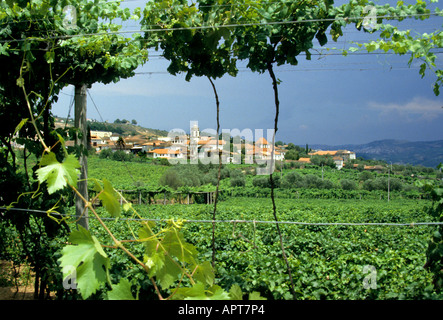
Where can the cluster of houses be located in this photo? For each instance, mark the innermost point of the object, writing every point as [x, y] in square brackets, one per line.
[339, 156]
[193, 146]
[198, 145]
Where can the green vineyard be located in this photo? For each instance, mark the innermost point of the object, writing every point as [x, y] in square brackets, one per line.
[108, 216]
[327, 260]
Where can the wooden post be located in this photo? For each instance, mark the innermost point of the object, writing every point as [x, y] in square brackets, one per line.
[82, 142]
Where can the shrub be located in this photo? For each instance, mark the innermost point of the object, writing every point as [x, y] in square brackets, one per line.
[347, 184]
[293, 180]
[396, 184]
[171, 178]
[238, 182]
[237, 178]
[105, 154]
[371, 185]
[382, 184]
[164, 162]
[265, 182]
[327, 184]
[120, 155]
[365, 176]
[312, 181]
[261, 181]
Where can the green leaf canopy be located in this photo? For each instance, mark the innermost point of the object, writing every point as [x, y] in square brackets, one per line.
[57, 175]
[87, 258]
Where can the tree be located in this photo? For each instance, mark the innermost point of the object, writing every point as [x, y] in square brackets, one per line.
[291, 146]
[323, 161]
[193, 50]
[120, 143]
[291, 155]
[401, 42]
[347, 184]
[293, 180]
[41, 53]
[48, 52]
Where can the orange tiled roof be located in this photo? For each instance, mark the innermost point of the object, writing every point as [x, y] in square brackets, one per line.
[166, 151]
[211, 142]
[323, 153]
[261, 141]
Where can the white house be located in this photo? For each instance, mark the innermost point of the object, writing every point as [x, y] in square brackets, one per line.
[101, 134]
[167, 154]
[338, 162]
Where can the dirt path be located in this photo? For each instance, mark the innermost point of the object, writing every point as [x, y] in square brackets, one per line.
[15, 283]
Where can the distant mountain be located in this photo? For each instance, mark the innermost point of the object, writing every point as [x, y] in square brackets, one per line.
[425, 153]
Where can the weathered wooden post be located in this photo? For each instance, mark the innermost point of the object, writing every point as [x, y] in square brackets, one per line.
[81, 141]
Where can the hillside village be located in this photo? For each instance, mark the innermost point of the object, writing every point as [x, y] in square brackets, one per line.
[200, 145]
[196, 145]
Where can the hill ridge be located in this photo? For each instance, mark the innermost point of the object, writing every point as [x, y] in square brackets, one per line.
[119, 128]
[425, 153]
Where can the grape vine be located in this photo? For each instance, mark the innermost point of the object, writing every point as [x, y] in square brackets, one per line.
[90, 49]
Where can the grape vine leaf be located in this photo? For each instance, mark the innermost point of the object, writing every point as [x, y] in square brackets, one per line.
[161, 265]
[217, 293]
[235, 292]
[57, 174]
[121, 291]
[168, 273]
[256, 296]
[204, 273]
[91, 263]
[198, 292]
[109, 198]
[175, 244]
[153, 258]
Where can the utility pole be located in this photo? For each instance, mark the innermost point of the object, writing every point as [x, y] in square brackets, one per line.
[81, 211]
[389, 180]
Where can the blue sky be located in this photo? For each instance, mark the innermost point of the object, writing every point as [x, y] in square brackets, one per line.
[328, 100]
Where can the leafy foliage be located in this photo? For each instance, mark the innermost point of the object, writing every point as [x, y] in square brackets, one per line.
[42, 55]
[108, 196]
[198, 52]
[420, 47]
[434, 252]
[57, 175]
[86, 256]
[327, 261]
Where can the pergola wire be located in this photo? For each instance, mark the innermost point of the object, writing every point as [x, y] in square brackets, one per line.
[156, 28]
[410, 224]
